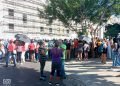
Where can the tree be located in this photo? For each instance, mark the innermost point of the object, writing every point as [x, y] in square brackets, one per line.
[85, 13]
[112, 30]
[103, 11]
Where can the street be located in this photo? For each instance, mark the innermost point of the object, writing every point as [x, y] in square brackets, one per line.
[90, 73]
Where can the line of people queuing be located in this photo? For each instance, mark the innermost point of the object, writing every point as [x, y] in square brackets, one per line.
[75, 49]
[59, 51]
[107, 49]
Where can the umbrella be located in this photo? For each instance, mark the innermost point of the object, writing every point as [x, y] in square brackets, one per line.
[51, 44]
[85, 38]
[22, 37]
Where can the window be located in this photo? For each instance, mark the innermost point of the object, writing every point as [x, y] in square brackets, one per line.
[67, 31]
[11, 26]
[11, 12]
[41, 29]
[50, 30]
[24, 18]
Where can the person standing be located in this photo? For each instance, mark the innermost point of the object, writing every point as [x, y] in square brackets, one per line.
[56, 54]
[19, 52]
[109, 49]
[37, 52]
[75, 47]
[42, 59]
[68, 49]
[11, 53]
[104, 52]
[1, 52]
[80, 51]
[62, 74]
[114, 53]
[31, 50]
[23, 51]
[86, 49]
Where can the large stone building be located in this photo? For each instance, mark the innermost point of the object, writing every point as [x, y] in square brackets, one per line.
[21, 16]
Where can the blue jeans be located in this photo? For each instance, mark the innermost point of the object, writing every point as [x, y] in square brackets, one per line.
[63, 75]
[37, 56]
[114, 58]
[1, 53]
[10, 54]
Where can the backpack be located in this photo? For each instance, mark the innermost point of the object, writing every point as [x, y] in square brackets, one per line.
[100, 48]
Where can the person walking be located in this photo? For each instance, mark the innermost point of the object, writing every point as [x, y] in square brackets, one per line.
[11, 53]
[56, 54]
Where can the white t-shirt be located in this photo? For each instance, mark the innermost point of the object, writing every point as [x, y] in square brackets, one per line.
[86, 46]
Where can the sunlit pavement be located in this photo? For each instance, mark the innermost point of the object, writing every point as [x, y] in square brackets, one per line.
[93, 73]
[89, 73]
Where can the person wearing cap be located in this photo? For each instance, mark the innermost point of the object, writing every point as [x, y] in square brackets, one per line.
[11, 53]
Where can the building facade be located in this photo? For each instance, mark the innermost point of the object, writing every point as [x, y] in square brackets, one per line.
[21, 16]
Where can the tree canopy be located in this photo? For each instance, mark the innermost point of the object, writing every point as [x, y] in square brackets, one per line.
[82, 12]
[112, 30]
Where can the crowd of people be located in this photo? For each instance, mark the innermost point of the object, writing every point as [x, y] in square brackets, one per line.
[108, 49]
[59, 51]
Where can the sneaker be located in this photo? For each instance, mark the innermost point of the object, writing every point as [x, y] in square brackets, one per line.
[57, 84]
[42, 78]
[50, 83]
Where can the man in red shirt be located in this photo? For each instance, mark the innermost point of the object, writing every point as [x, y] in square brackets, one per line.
[31, 47]
[11, 53]
[75, 47]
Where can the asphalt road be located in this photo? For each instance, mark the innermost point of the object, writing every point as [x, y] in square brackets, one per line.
[90, 73]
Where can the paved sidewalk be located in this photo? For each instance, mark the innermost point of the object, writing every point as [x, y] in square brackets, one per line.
[92, 73]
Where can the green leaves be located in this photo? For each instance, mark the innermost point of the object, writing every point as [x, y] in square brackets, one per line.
[73, 12]
[112, 30]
